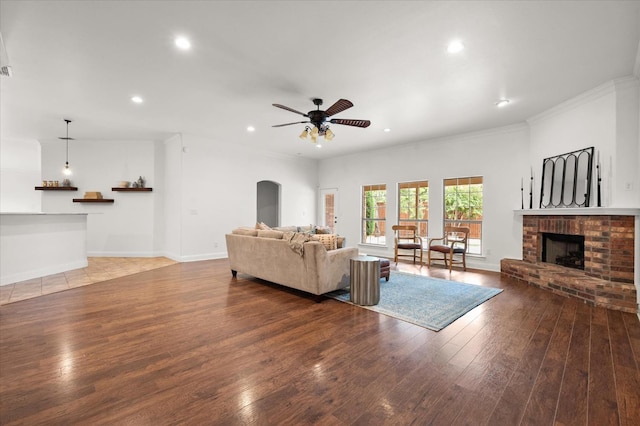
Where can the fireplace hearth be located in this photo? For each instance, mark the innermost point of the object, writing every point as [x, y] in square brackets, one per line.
[563, 249]
[606, 255]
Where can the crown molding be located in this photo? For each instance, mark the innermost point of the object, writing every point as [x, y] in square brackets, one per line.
[610, 87]
[584, 98]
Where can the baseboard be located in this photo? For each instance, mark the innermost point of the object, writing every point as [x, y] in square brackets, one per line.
[37, 273]
[206, 256]
[124, 254]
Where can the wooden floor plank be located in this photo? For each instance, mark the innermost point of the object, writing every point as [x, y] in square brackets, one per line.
[511, 405]
[188, 344]
[627, 375]
[603, 405]
[542, 404]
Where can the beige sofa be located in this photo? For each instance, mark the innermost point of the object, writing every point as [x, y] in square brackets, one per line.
[317, 271]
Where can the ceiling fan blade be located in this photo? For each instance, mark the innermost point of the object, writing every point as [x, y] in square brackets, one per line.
[348, 122]
[339, 106]
[289, 109]
[289, 124]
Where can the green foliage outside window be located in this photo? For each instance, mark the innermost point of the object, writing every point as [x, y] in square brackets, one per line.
[374, 209]
[371, 212]
[408, 207]
[463, 202]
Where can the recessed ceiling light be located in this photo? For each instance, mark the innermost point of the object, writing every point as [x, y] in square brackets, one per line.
[455, 46]
[387, 130]
[183, 43]
[502, 103]
[136, 99]
[251, 129]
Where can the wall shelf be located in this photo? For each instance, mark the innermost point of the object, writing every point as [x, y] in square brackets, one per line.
[116, 188]
[56, 188]
[93, 200]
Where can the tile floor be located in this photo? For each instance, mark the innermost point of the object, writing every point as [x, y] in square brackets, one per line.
[99, 269]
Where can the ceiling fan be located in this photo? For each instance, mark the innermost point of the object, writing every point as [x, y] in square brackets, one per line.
[321, 119]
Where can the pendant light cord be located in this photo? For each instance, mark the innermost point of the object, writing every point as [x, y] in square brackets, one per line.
[67, 140]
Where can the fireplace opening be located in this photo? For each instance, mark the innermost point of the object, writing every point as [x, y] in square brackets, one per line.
[562, 249]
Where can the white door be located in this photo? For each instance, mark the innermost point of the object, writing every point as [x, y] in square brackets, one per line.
[329, 209]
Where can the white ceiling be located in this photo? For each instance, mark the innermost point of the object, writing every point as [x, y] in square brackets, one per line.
[84, 60]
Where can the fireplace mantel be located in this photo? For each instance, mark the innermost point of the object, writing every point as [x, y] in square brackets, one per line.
[584, 211]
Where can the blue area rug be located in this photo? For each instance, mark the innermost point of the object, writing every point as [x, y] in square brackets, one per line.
[428, 302]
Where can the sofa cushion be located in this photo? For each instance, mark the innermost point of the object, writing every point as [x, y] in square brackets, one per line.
[270, 233]
[328, 241]
[251, 232]
[286, 228]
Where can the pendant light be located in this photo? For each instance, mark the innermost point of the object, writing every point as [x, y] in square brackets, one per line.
[67, 171]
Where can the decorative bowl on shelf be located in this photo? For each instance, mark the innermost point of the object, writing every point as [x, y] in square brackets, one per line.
[123, 184]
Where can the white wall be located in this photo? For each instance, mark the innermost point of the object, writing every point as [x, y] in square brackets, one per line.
[626, 184]
[19, 174]
[124, 228]
[219, 192]
[605, 118]
[500, 156]
[172, 202]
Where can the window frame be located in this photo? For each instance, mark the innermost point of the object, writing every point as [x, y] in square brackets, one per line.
[475, 244]
[422, 224]
[379, 238]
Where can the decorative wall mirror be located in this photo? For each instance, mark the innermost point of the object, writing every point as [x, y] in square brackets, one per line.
[566, 179]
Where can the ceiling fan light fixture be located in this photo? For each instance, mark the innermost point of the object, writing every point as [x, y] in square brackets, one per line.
[328, 134]
[320, 119]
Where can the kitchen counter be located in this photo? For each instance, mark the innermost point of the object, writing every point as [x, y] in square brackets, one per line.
[34, 244]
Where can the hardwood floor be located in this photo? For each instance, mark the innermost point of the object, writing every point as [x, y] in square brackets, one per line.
[187, 344]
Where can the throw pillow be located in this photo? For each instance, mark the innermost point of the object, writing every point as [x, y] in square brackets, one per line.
[323, 230]
[328, 241]
[307, 229]
[263, 226]
[270, 233]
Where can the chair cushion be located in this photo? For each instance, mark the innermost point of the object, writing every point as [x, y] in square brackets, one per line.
[410, 246]
[445, 249]
[441, 249]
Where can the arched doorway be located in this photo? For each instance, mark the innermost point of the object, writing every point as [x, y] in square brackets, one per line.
[268, 203]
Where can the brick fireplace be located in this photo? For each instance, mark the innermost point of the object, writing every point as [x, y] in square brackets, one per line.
[608, 276]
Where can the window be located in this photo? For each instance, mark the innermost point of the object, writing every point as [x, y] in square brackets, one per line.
[413, 205]
[374, 212]
[463, 207]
